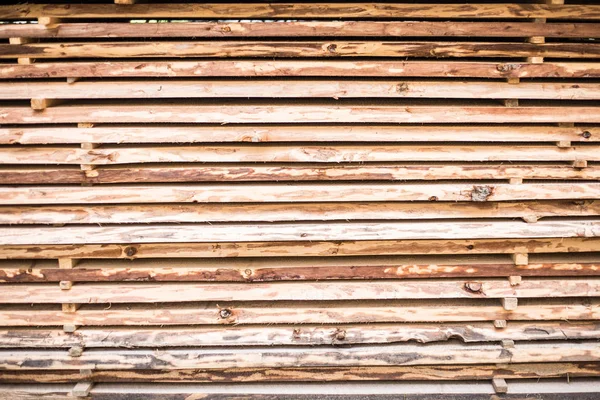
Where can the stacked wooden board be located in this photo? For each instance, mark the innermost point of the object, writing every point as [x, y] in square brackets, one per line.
[300, 200]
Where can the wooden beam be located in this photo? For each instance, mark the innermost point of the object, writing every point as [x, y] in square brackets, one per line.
[540, 310]
[398, 354]
[165, 112]
[285, 49]
[302, 10]
[322, 68]
[292, 291]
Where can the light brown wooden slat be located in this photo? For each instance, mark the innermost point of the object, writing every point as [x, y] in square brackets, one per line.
[152, 89]
[388, 311]
[286, 270]
[303, 248]
[287, 133]
[294, 335]
[301, 10]
[337, 48]
[414, 372]
[303, 153]
[128, 214]
[324, 68]
[166, 112]
[173, 173]
[301, 29]
[399, 354]
[296, 192]
[86, 293]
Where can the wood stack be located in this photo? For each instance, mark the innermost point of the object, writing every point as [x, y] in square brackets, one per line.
[373, 197]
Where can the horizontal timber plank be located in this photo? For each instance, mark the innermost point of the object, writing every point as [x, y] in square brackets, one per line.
[88, 293]
[325, 68]
[165, 112]
[399, 354]
[302, 248]
[173, 173]
[328, 374]
[293, 335]
[153, 89]
[301, 10]
[338, 48]
[182, 233]
[288, 29]
[357, 313]
[296, 192]
[128, 214]
[290, 133]
[297, 153]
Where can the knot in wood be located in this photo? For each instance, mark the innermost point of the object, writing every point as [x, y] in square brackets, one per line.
[473, 287]
[507, 67]
[332, 48]
[402, 87]
[340, 334]
[481, 193]
[226, 29]
[586, 134]
[130, 251]
[225, 313]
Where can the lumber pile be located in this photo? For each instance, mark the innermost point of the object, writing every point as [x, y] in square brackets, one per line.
[290, 200]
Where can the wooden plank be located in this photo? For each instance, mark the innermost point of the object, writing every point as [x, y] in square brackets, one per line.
[256, 270]
[325, 68]
[301, 10]
[297, 192]
[285, 153]
[182, 233]
[165, 112]
[305, 313]
[302, 248]
[173, 173]
[274, 28]
[127, 214]
[282, 49]
[88, 293]
[153, 89]
[307, 335]
[290, 133]
[321, 374]
[398, 354]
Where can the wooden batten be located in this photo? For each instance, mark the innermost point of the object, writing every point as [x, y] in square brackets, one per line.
[82, 389]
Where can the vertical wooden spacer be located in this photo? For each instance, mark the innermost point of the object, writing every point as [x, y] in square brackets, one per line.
[48, 22]
[515, 181]
[69, 328]
[87, 146]
[514, 280]
[520, 258]
[39, 104]
[65, 285]
[509, 303]
[125, 1]
[76, 351]
[579, 164]
[82, 389]
[67, 263]
[500, 385]
[71, 81]
[19, 40]
[563, 144]
[500, 324]
[531, 219]
[70, 308]
[508, 344]
[514, 81]
[511, 102]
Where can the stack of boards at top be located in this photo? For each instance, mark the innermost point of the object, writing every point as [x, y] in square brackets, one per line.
[298, 200]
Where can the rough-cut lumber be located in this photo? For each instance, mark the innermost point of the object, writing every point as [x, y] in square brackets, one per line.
[290, 133]
[282, 153]
[127, 214]
[243, 270]
[294, 335]
[304, 313]
[297, 192]
[321, 374]
[182, 233]
[235, 68]
[164, 112]
[89, 293]
[303, 248]
[289, 29]
[152, 89]
[398, 354]
[173, 173]
[339, 48]
[302, 10]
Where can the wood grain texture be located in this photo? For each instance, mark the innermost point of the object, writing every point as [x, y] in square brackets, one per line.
[299, 10]
[274, 28]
